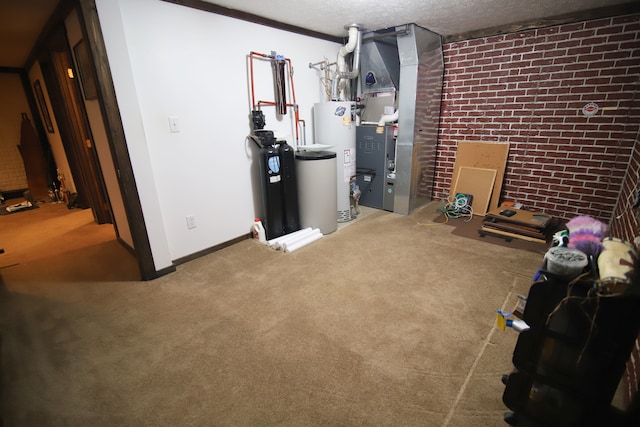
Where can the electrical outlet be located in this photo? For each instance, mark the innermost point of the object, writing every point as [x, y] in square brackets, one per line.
[191, 222]
[174, 126]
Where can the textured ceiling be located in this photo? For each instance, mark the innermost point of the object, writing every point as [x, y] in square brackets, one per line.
[445, 17]
[22, 20]
[20, 24]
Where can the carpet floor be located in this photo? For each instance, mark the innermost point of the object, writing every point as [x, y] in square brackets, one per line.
[385, 322]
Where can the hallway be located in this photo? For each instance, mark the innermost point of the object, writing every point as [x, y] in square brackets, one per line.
[55, 244]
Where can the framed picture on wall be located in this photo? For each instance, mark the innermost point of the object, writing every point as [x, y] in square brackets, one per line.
[43, 106]
[83, 64]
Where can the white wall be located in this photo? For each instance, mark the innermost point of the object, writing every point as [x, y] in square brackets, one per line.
[170, 60]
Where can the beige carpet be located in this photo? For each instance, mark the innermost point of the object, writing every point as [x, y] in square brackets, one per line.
[55, 244]
[382, 323]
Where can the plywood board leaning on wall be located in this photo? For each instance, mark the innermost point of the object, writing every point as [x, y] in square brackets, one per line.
[479, 183]
[482, 155]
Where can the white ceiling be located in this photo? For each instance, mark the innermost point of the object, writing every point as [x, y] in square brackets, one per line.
[445, 17]
[22, 20]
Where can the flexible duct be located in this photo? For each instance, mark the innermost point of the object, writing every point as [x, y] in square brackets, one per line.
[353, 45]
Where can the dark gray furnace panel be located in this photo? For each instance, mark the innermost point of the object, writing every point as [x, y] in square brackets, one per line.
[375, 164]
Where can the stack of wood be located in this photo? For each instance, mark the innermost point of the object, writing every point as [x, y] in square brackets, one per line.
[511, 223]
[478, 171]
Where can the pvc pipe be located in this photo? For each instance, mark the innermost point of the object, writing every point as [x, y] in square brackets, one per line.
[388, 118]
[353, 45]
[278, 240]
[288, 243]
[292, 238]
[312, 238]
[275, 243]
[347, 48]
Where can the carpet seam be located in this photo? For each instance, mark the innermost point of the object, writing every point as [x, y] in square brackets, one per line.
[487, 340]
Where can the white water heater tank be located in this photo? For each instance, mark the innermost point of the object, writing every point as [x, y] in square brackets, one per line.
[334, 124]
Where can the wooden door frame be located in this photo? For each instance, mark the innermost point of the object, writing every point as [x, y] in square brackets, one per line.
[73, 125]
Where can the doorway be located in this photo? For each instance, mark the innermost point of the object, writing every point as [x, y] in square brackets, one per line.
[60, 76]
[103, 136]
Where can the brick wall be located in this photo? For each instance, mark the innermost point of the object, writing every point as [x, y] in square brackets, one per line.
[528, 89]
[429, 93]
[626, 225]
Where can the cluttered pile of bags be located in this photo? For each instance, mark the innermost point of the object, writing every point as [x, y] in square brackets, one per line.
[584, 250]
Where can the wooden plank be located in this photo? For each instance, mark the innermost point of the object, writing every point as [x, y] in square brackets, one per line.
[479, 183]
[528, 218]
[511, 235]
[513, 227]
[483, 155]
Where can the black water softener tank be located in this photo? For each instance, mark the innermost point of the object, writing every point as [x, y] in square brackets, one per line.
[271, 184]
[279, 186]
[289, 188]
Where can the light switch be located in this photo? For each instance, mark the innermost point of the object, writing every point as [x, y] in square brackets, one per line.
[174, 127]
[191, 222]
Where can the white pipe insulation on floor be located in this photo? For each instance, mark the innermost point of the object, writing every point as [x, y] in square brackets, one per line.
[309, 238]
[296, 240]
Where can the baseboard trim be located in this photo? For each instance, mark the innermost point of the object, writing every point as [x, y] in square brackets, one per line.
[210, 250]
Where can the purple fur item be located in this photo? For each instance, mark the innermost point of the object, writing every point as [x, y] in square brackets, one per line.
[586, 234]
